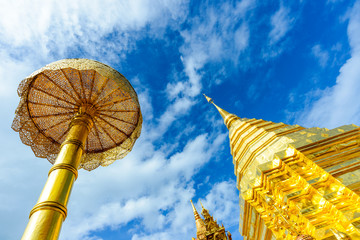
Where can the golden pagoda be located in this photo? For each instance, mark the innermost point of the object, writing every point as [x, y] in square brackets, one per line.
[208, 228]
[295, 182]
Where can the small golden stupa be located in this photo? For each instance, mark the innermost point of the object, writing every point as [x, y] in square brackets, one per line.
[208, 228]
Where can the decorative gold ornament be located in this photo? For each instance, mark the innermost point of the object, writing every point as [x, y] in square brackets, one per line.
[304, 237]
[85, 113]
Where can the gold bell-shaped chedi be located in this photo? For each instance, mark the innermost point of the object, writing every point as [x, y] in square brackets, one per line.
[295, 182]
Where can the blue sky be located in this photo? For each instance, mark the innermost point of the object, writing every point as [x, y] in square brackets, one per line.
[284, 61]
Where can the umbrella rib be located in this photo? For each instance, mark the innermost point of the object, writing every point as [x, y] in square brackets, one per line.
[59, 87]
[57, 124]
[92, 85]
[101, 89]
[52, 95]
[117, 119]
[87, 144]
[50, 105]
[82, 84]
[105, 110]
[65, 132]
[113, 126]
[98, 137]
[99, 125]
[102, 99]
[77, 94]
[52, 115]
[107, 104]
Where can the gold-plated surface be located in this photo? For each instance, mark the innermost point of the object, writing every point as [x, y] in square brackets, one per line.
[340, 235]
[51, 96]
[208, 228]
[47, 215]
[304, 237]
[295, 181]
[199, 222]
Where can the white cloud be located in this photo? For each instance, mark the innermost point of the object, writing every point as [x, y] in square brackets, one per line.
[44, 29]
[321, 55]
[212, 38]
[221, 202]
[223, 199]
[339, 104]
[215, 35]
[241, 38]
[140, 187]
[281, 23]
[148, 181]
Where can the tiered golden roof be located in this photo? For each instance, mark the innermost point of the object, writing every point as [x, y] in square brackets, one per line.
[295, 182]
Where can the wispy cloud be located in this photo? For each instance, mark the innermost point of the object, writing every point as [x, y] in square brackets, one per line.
[337, 105]
[214, 37]
[154, 184]
[321, 55]
[220, 199]
[222, 29]
[50, 29]
[281, 22]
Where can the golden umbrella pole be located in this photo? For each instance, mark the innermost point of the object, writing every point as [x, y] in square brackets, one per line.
[77, 113]
[47, 215]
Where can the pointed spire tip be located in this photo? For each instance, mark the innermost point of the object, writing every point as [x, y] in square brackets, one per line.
[201, 204]
[208, 99]
[193, 207]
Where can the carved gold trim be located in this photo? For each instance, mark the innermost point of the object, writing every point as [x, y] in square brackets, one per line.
[65, 166]
[50, 205]
[81, 119]
[75, 142]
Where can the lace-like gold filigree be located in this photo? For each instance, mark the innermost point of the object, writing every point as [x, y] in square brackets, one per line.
[51, 96]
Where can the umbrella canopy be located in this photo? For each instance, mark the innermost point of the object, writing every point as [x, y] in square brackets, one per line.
[53, 95]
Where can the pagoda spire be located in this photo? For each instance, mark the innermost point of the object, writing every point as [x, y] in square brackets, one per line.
[228, 117]
[212, 228]
[201, 204]
[200, 225]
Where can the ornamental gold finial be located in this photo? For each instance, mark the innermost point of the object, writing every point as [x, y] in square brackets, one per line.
[196, 214]
[193, 207]
[208, 99]
[228, 117]
[200, 225]
[201, 204]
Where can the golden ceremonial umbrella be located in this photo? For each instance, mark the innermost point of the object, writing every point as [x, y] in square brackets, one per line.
[77, 113]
